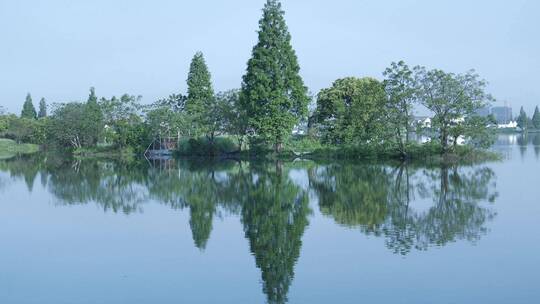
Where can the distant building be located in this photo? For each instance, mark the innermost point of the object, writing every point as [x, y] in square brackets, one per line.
[509, 125]
[503, 115]
[423, 121]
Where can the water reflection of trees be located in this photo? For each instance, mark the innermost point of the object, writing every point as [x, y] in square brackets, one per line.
[376, 199]
[526, 139]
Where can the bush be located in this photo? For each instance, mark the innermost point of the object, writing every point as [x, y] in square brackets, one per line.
[302, 144]
[204, 147]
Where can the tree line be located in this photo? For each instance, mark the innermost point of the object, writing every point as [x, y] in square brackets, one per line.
[526, 123]
[272, 102]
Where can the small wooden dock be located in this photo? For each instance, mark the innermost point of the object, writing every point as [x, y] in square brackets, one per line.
[161, 148]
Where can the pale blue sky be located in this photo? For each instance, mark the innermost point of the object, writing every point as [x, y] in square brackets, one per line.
[59, 48]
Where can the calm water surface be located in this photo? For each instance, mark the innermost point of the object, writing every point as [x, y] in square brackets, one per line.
[298, 232]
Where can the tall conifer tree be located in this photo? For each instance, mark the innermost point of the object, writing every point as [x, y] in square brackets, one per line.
[522, 120]
[42, 108]
[536, 118]
[200, 100]
[93, 120]
[28, 111]
[273, 93]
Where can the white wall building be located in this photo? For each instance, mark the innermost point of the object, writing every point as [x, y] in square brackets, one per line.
[509, 125]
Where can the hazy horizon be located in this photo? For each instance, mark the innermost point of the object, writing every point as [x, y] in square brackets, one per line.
[58, 49]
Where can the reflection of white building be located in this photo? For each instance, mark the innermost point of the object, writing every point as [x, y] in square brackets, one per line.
[509, 125]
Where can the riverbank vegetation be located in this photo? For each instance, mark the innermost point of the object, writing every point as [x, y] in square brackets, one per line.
[10, 148]
[273, 114]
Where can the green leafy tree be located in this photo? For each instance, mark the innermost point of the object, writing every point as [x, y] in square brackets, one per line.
[352, 111]
[20, 129]
[4, 120]
[522, 120]
[28, 110]
[234, 117]
[400, 89]
[124, 126]
[536, 118]
[200, 101]
[451, 98]
[67, 127]
[42, 108]
[177, 102]
[273, 93]
[4, 124]
[480, 132]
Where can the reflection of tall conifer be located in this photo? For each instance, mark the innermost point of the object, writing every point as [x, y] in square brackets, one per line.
[274, 220]
[200, 222]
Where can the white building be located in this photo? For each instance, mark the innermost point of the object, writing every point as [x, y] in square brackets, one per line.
[509, 125]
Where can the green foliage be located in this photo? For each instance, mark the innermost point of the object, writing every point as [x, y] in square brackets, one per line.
[133, 135]
[92, 120]
[352, 111]
[42, 108]
[124, 126]
[164, 121]
[76, 124]
[67, 126]
[522, 120]
[400, 88]
[302, 144]
[452, 98]
[273, 93]
[203, 146]
[26, 130]
[4, 123]
[536, 118]
[200, 103]
[233, 118]
[28, 110]
[176, 102]
[479, 131]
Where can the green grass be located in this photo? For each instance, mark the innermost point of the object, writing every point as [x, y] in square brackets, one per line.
[104, 151]
[9, 148]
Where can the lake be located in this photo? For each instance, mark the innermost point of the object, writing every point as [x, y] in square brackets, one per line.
[193, 231]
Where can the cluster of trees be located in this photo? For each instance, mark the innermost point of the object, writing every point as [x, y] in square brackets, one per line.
[29, 126]
[526, 123]
[273, 100]
[368, 111]
[76, 124]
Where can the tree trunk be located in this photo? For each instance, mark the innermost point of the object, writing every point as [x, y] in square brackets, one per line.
[401, 144]
[279, 147]
[444, 141]
[240, 142]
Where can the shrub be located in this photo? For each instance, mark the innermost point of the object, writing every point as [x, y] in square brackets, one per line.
[204, 147]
